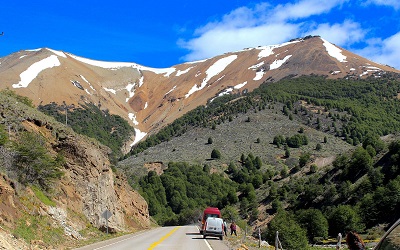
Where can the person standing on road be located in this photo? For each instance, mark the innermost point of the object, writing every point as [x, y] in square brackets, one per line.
[354, 241]
[339, 241]
[225, 228]
[233, 228]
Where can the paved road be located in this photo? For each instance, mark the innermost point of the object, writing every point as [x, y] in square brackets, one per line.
[163, 238]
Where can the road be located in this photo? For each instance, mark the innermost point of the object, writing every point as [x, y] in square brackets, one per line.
[163, 238]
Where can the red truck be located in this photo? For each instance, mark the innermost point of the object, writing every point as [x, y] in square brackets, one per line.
[209, 212]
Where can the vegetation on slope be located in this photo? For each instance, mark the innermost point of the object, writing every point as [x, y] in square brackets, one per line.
[110, 130]
[359, 191]
[356, 193]
[25, 155]
[348, 109]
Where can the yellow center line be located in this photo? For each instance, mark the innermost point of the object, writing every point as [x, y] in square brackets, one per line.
[153, 245]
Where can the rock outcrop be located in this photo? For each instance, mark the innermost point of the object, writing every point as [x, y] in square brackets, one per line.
[88, 188]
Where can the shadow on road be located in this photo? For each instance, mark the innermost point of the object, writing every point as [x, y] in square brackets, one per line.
[193, 234]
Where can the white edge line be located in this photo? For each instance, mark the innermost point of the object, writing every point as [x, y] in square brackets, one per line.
[133, 236]
[205, 240]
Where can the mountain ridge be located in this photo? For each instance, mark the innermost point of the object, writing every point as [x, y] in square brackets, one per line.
[150, 98]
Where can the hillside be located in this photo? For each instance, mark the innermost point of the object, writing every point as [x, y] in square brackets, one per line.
[151, 98]
[236, 137]
[65, 179]
[307, 149]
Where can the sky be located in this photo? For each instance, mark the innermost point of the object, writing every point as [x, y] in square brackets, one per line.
[165, 33]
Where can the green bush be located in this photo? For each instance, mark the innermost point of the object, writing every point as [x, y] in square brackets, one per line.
[291, 235]
[3, 135]
[33, 163]
[314, 222]
[215, 154]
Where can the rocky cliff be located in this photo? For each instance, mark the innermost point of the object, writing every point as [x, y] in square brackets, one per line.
[80, 198]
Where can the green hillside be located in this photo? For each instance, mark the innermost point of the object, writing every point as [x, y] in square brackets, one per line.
[277, 146]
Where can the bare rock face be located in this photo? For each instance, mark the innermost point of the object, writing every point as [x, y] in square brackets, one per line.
[9, 203]
[92, 188]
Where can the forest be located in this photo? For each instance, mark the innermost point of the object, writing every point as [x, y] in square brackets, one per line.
[111, 130]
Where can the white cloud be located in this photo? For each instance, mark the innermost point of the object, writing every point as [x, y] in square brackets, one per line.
[263, 24]
[385, 51]
[338, 33]
[305, 8]
[220, 40]
[390, 3]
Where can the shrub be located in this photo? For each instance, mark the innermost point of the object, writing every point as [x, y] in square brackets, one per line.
[291, 235]
[3, 135]
[215, 154]
[34, 165]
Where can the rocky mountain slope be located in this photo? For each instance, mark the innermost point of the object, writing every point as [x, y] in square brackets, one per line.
[86, 190]
[150, 98]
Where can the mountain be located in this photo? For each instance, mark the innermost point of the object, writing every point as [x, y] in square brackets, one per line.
[151, 98]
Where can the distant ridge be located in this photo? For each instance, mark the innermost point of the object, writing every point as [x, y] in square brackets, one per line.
[150, 98]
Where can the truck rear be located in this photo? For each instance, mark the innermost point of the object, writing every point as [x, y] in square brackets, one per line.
[209, 212]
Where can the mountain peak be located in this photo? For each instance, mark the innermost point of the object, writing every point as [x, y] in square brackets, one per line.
[149, 98]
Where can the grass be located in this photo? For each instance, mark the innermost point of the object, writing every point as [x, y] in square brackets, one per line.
[34, 227]
[42, 197]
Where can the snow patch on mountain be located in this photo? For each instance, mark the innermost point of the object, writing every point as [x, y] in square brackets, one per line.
[110, 90]
[139, 135]
[259, 72]
[374, 68]
[58, 53]
[277, 63]
[199, 61]
[181, 72]
[241, 85]
[259, 75]
[32, 72]
[33, 50]
[132, 117]
[171, 90]
[118, 65]
[131, 91]
[141, 81]
[256, 66]
[230, 89]
[334, 51]
[269, 50]
[212, 71]
[90, 85]
[168, 72]
[104, 64]
[265, 51]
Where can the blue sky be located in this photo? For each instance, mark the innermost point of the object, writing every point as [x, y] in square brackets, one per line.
[165, 33]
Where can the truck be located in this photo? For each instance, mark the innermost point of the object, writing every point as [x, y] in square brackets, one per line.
[214, 227]
[209, 212]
